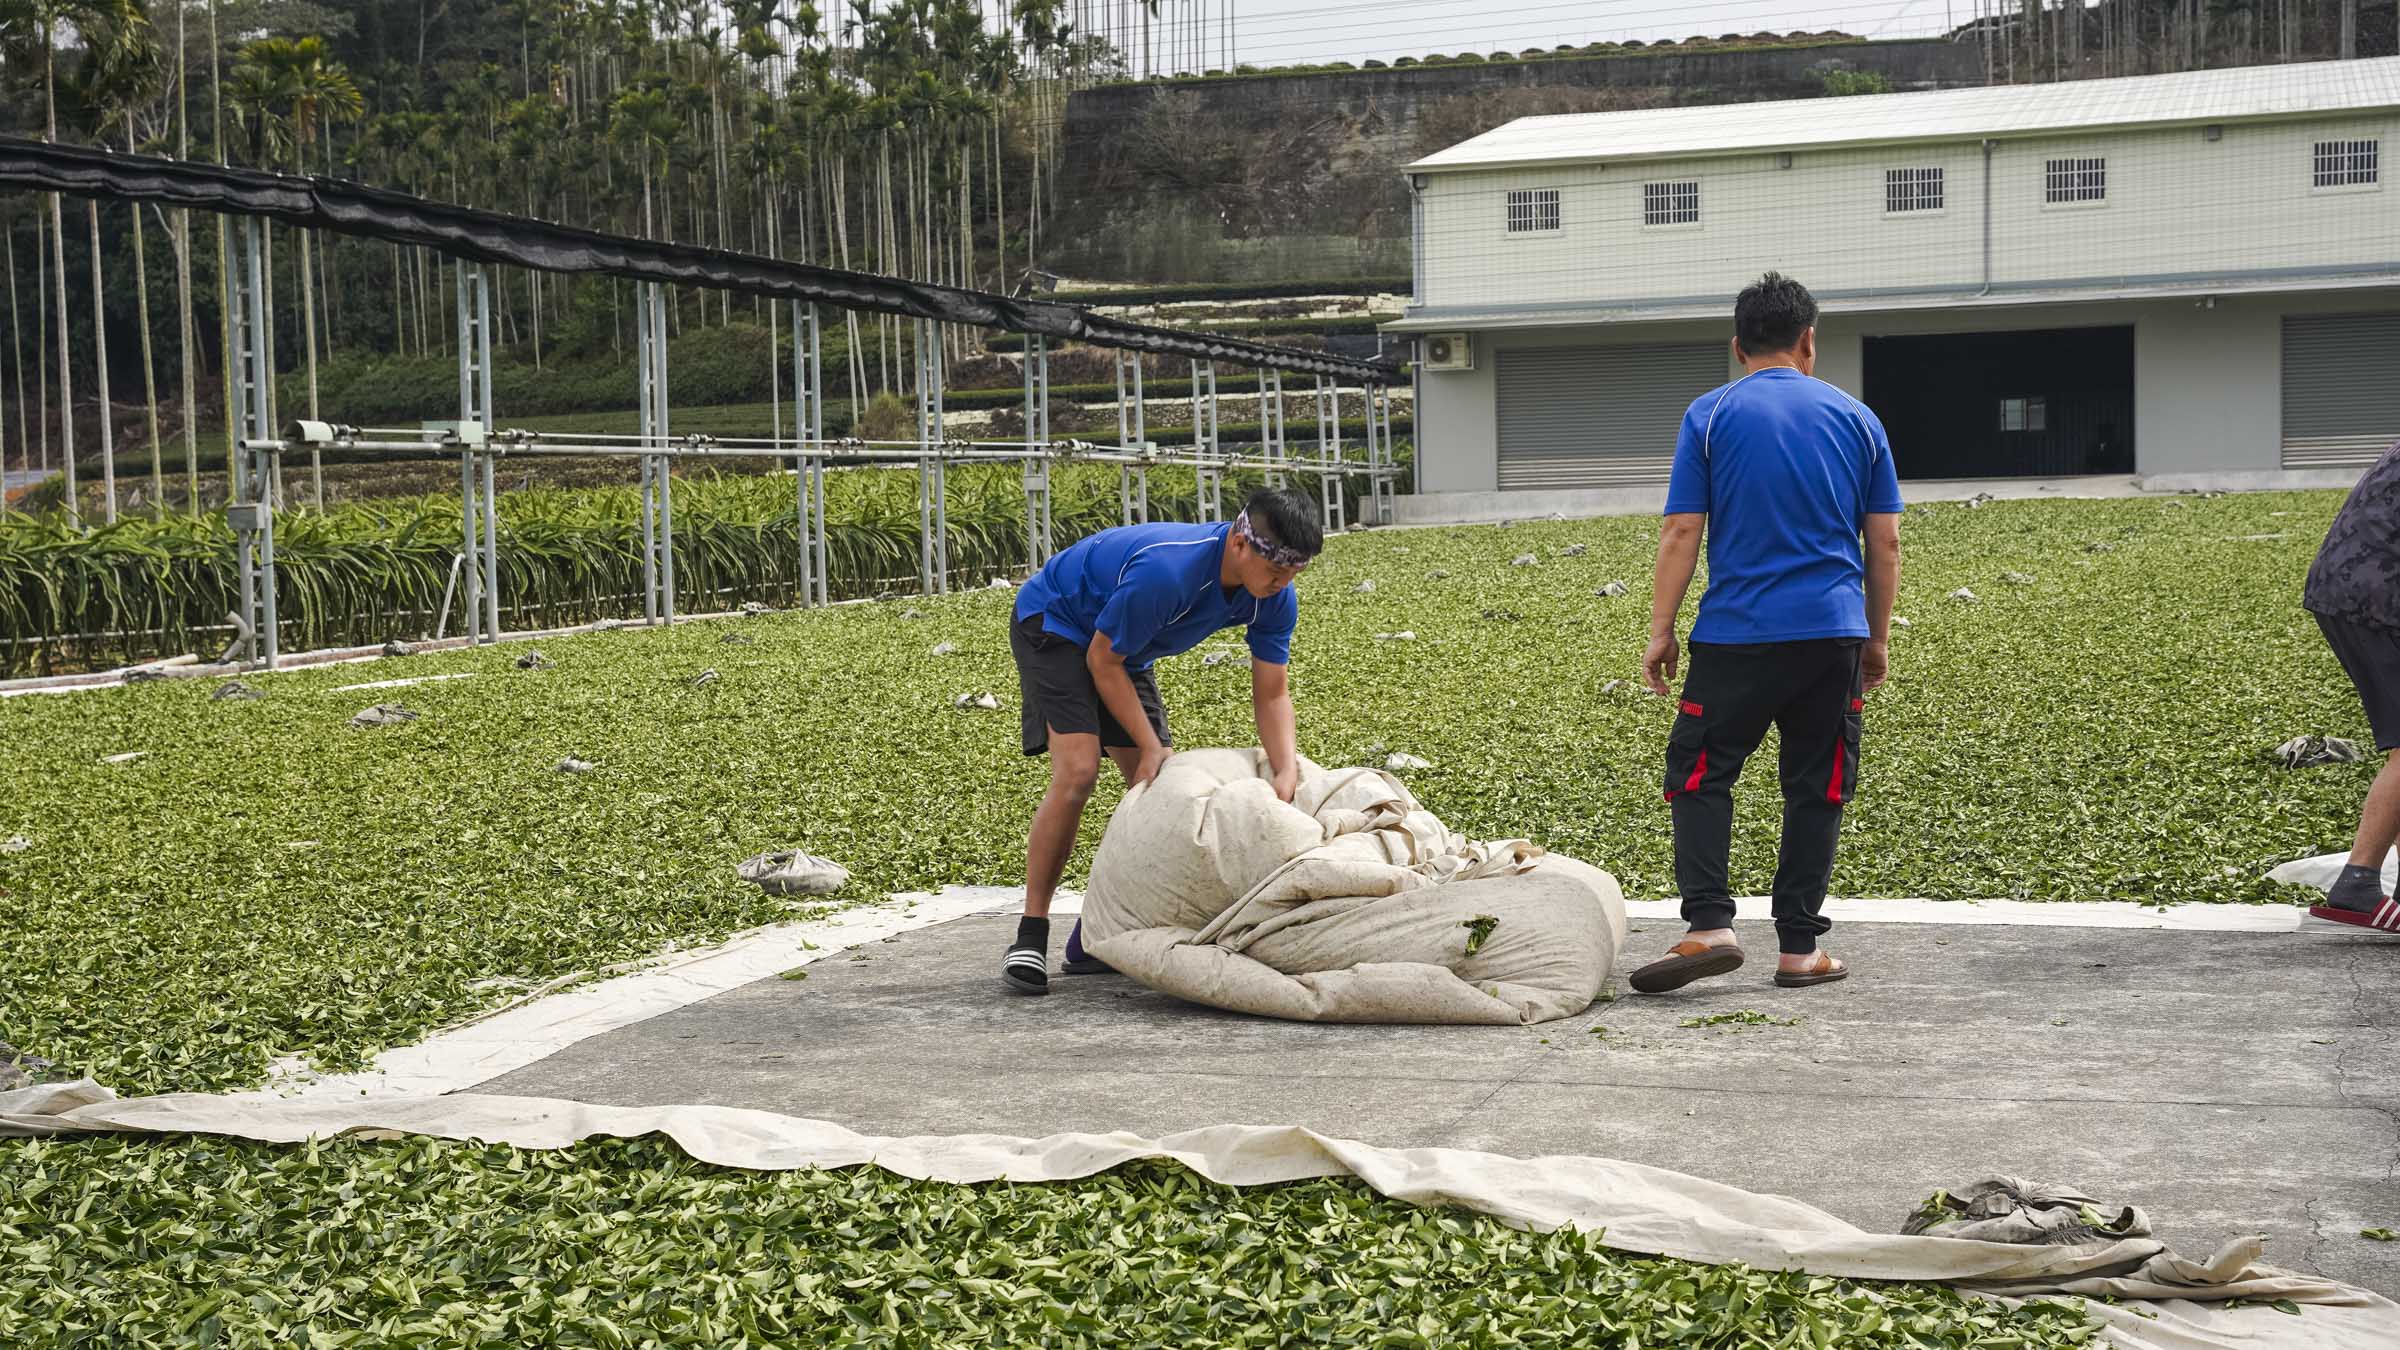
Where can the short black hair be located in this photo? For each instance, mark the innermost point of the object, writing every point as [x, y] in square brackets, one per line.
[1286, 516]
[1771, 314]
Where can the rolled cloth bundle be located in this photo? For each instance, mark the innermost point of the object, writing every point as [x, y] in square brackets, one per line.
[1351, 903]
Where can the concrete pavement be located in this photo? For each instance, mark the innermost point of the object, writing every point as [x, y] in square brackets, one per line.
[2228, 1083]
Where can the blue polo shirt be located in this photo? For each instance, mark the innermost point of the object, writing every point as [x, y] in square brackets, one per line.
[1787, 468]
[1155, 590]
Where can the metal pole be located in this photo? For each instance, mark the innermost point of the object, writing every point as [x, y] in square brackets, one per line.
[470, 510]
[1124, 442]
[937, 375]
[1037, 436]
[1141, 436]
[801, 514]
[642, 374]
[1270, 424]
[262, 617]
[1216, 449]
[666, 477]
[237, 367]
[927, 578]
[816, 431]
[491, 495]
[1330, 487]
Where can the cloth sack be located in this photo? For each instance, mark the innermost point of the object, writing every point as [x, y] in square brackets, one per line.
[1351, 903]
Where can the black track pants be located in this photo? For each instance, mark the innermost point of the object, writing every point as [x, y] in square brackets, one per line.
[1811, 691]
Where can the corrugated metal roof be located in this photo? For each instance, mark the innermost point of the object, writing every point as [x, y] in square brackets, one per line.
[2244, 92]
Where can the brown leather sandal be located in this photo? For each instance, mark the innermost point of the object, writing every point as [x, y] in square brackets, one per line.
[1825, 970]
[1685, 962]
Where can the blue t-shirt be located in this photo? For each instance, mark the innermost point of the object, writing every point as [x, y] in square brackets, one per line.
[1787, 468]
[1155, 590]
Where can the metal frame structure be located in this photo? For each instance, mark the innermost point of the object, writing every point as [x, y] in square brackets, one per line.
[479, 535]
[1329, 453]
[254, 464]
[1037, 466]
[1133, 433]
[808, 466]
[933, 488]
[476, 240]
[1270, 426]
[1208, 478]
[479, 443]
[658, 482]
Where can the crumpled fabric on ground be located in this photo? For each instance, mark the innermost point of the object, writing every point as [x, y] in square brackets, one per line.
[2012, 1209]
[1351, 903]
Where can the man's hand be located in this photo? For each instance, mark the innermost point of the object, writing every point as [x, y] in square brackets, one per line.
[1153, 760]
[1287, 782]
[1658, 663]
[1875, 662]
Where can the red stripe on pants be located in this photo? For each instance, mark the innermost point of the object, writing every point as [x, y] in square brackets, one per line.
[1833, 790]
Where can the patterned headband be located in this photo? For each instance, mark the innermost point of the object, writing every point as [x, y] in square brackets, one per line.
[1276, 554]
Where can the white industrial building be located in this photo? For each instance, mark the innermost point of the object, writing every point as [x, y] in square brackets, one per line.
[2189, 278]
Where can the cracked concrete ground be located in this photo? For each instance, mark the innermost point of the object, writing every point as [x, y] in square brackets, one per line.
[2228, 1083]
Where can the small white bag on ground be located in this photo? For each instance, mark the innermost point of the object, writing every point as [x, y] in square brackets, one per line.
[1352, 903]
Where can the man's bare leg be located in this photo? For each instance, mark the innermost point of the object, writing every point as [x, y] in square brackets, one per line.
[2379, 821]
[1078, 962]
[2359, 894]
[1074, 769]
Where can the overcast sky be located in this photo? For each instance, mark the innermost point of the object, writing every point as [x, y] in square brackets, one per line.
[1292, 32]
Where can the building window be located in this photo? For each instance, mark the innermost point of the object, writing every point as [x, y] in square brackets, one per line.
[1535, 209]
[2349, 163]
[1912, 190]
[2024, 414]
[2075, 180]
[1670, 203]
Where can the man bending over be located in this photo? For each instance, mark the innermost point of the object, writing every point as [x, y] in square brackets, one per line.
[1086, 630]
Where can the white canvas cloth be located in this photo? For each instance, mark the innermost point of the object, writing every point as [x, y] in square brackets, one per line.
[2325, 869]
[1351, 903]
[1640, 1209]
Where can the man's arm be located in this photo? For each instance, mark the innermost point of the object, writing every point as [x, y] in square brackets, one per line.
[1278, 726]
[1116, 694]
[1883, 586]
[1678, 557]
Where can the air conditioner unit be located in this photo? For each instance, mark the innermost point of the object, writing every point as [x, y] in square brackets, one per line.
[1446, 351]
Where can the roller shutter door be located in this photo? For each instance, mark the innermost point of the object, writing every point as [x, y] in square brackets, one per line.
[2341, 388]
[1595, 417]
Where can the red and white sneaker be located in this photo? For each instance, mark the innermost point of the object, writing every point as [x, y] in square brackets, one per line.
[2384, 918]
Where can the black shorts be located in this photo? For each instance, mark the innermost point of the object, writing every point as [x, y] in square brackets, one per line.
[1056, 690]
[2371, 655]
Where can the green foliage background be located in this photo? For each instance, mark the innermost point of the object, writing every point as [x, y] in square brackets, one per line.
[270, 882]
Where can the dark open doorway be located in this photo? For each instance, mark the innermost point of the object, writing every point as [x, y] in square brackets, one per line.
[2050, 403]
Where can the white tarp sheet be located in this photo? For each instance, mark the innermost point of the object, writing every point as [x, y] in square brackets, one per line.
[1639, 1208]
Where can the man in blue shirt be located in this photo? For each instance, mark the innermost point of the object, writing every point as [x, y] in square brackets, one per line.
[1785, 474]
[1086, 630]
